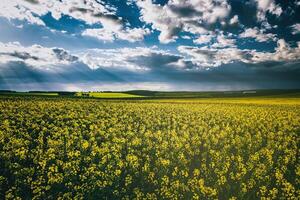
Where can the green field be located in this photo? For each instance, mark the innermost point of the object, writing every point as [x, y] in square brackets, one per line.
[110, 95]
[168, 148]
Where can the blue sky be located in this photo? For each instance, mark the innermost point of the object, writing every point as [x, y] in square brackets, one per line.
[149, 44]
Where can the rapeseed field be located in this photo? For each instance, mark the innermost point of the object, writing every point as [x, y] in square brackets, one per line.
[60, 148]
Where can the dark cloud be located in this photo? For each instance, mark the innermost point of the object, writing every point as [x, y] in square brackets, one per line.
[32, 1]
[21, 55]
[184, 11]
[61, 54]
[155, 60]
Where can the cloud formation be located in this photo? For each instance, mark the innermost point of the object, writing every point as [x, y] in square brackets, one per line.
[40, 57]
[131, 35]
[55, 59]
[295, 28]
[177, 42]
[192, 16]
[264, 6]
[258, 35]
[213, 57]
[89, 11]
[141, 59]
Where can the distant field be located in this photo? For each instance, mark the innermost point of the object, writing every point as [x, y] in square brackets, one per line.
[218, 94]
[30, 93]
[110, 95]
[141, 94]
[79, 94]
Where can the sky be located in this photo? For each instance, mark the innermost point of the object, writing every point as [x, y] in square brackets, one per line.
[191, 45]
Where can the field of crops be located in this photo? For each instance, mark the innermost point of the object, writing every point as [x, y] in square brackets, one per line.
[109, 95]
[61, 148]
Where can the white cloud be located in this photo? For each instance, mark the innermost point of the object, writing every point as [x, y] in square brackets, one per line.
[186, 37]
[223, 41]
[100, 34]
[131, 35]
[295, 28]
[42, 58]
[89, 11]
[213, 57]
[220, 40]
[283, 52]
[132, 59]
[12, 9]
[202, 39]
[234, 20]
[161, 19]
[113, 58]
[187, 15]
[258, 35]
[264, 6]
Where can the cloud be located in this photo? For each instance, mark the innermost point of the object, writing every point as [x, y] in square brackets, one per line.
[143, 59]
[49, 68]
[223, 41]
[100, 34]
[264, 6]
[258, 35]
[202, 39]
[161, 20]
[283, 53]
[213, 57]
[234, 20]
[219, 39]
[295, 29]
[192, 16]
[203, 57]
[139, 59]
[19, 10]
[37, 56]
[131, 35]
[89, 11]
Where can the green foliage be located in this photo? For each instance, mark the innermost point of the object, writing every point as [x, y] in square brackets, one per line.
[62, 148]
